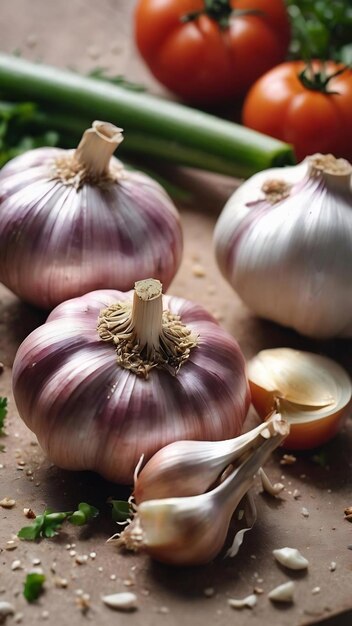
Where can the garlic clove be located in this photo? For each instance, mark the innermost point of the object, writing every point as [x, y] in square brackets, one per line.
[186, 468]
[313, 421]
[268, 486]
[192, 530]
[282, 593]
[291, 558]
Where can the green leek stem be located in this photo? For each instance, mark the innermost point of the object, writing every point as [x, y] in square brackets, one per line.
[163, 129]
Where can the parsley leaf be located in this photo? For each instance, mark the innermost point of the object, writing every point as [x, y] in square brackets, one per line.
[100, 74]
[33, 586]
[121, 510]
[3, 414]
[49, 523]
[84, 513]
[46, 525]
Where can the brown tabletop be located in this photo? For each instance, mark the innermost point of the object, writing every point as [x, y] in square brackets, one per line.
[85, 34]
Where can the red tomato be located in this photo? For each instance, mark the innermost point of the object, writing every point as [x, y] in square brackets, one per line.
[203, 61]
[280, 105]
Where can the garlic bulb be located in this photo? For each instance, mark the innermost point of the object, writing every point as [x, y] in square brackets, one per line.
[187, 468]
[106, 380]
[284, 242]
[192, 530]
[76, 220]
[311, 391]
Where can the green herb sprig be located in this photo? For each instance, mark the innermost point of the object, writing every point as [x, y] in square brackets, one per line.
[3, 415]
[49, 523]
[33, 586]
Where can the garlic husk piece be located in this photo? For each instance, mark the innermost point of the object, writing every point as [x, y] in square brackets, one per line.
[284, 242]
[282, 593]
[312, 391]
[76, 220]
[291, 558]
[192, 530]
[90, 412]
[187, 468]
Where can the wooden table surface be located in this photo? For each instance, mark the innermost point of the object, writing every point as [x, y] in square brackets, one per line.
[86, 34]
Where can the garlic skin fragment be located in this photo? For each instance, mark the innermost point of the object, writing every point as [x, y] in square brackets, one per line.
[291, 558]
[249, 602]
[123, 601]
[72, 221]
[90, 412]
[282, 593]
[192, 530]
[284, 242]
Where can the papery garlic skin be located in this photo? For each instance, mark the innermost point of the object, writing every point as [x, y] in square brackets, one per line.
[89, 413]
[62, 238]
[290, 260]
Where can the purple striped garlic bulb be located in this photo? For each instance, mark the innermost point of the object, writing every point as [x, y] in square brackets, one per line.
[76, 220]
[111, 376]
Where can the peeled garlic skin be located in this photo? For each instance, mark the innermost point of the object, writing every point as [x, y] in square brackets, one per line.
[89, 413]
[57, 242]
[290, 262]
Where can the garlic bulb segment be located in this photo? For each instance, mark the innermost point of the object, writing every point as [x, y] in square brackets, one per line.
[312, 392]
[111, 376]
[76, 220]
[284, 242]
[188, 468]
[192, 530]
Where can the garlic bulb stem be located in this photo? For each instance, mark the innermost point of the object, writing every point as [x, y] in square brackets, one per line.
[145, 336]
[147, 312]
[97, 147]
[335, 172]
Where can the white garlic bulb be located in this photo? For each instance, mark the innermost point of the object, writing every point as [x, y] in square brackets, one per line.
[284, 242]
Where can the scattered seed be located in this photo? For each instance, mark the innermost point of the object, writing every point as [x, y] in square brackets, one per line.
[282, 593]
[16, 565]
[100, 569]
[125, 601]
[7, 503]
[296, 494]
[61, 583]
[18, 617]
[83, 602]
[198, 270]
[45, 614]
[288, 459]
[113, 577]
[315, 590]
[72, 552]
[5, 609]
[11, 545]
[164, 610]
[332, 566]
[29, 513]
[92, 555]
[128, 582]
[81, 559]
[249, 602]
[305, 512]
[36, 561]
[209, 592]
[258, 590]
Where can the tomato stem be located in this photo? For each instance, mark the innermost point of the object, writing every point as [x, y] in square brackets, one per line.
[220, 11]
[319, 80]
